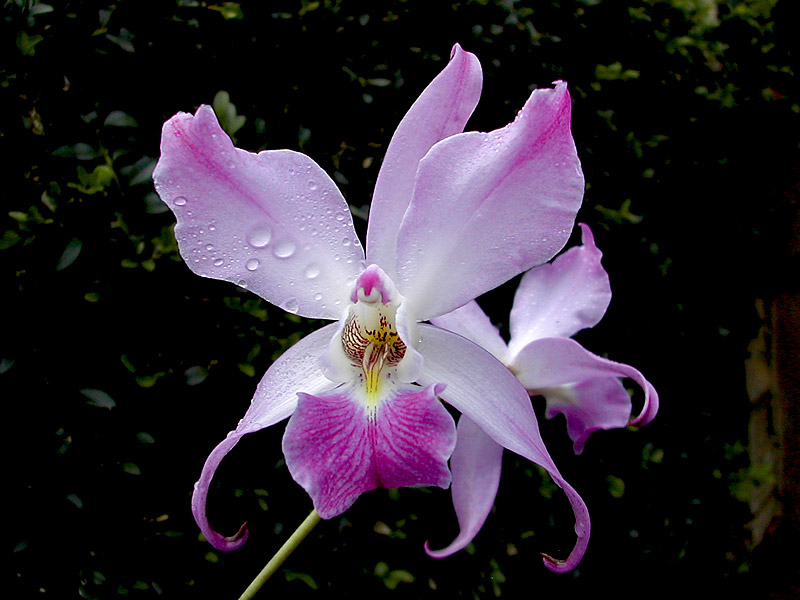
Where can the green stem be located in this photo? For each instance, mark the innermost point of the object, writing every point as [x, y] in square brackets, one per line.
[281, 555]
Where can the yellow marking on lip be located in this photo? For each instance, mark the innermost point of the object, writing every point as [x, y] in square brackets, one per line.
[373, 351]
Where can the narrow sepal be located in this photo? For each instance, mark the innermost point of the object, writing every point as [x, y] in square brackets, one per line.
[441, 110]
[489, 394]
[476, 464]
[275, 399]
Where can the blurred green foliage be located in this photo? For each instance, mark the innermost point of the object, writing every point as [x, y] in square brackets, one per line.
[123, 370]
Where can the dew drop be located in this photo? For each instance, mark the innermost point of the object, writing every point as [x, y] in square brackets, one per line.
[317, 296]
[291, 305]
[252, 264]
[339, 216]
[212, 228]
[209, 246]
[312, 185]
[346, 241]
[180, 201]
[219, 262]
[259, 236]
[312, 271]
[284, 249]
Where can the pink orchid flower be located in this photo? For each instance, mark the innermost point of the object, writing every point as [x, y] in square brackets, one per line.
[552, 303]
[453, 215]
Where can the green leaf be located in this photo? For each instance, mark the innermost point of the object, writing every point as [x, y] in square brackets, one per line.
[99, 398]
[226, 113]
[70, 254]
[117, 118]
[228, 10]
[27, 44]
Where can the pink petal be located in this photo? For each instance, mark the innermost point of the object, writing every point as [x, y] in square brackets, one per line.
[441, 111]
[272, 222]
[275, 399]
[561, 298]
[551, 362]
[492, 397]
[589, 406]
[475, 464]
[472, 323]
[488, 206]
[336, 449]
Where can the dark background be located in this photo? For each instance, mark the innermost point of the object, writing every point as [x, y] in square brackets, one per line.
[120, 369]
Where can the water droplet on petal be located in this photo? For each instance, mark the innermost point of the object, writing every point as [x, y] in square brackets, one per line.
[209, 246]
[259, 236]
[219, 262]
[312, 185]
[339, 216]
[346, 241]
[180, 201]
[312, 271]
[317, 296]
[252, 264]
[284, 249]
[291, 305]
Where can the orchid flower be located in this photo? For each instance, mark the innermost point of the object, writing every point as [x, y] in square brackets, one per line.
[453, 215]
[552, 303]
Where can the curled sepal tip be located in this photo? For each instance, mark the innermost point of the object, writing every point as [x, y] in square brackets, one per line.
[233, 542]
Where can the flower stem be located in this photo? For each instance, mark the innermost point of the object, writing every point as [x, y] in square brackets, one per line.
[281, 555]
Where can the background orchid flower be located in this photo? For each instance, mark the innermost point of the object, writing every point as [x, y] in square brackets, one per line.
[552, 303]
[453, 215]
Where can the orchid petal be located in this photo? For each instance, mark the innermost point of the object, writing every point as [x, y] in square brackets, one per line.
[475, 464]
[275, 399]
[488, 206]
[471, 322]
[492, 397]
[337, 448]
[551, 362]
[442, 110]
[272, 222]
[589, 406]
[561, 298]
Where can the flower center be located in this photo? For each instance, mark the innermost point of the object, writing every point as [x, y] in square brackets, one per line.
[371, 342]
